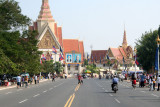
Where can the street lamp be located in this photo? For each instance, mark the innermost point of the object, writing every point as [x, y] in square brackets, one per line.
[158, 42]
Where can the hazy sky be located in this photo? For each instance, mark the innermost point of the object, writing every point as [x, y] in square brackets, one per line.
[100, 22]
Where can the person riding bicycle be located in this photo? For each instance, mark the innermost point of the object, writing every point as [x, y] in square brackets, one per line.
[114, 81]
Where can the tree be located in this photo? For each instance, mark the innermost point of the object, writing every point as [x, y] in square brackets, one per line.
[11, 17]
[146, 49]
[48, 66]
[58, 67]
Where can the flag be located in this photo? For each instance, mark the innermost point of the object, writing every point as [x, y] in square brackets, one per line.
[60, 57]
[123, 60]
[108, 57]
[40, 61]
[136, 62]
[100, 59]
[61, 50]
[156, 59]
[92, 58]
[51, 56]
[54, 50]
[43, 57]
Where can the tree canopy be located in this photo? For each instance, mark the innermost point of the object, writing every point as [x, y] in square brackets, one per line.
[146, 49]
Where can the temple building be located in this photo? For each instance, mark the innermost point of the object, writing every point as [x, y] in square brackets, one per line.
[115, 55]
[50, 39]
[121, 55]
[74, 55]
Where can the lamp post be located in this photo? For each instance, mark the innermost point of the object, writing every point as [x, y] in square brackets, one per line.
[135, 50]
[158, 40]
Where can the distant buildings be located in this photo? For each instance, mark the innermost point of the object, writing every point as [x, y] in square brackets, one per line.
[117, 56]
[50, 37]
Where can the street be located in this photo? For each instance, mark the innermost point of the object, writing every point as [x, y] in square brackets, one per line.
[67, 93]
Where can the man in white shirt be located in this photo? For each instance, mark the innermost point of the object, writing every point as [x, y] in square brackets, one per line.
[35, 79]
[158, 81]
[18, 81]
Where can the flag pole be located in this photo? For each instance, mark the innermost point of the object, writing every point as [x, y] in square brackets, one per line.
[135, 62]
[158, 52]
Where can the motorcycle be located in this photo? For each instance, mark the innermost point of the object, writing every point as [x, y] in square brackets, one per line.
[115, 88]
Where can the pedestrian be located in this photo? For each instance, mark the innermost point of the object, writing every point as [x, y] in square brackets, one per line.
[18, 81]
[65, 76]
[79, 78]
[53, 77]
[0, 82]
[35, 79]
[158, 82]
[142, 80]
[26, 81]
[151, 83]
[23, 81]
[154, 82]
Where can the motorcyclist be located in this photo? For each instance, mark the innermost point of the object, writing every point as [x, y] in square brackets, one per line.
[114, 81]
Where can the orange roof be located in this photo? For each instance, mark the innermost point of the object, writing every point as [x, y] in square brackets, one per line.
[55, 29]
[116, 53]
[70, 45]
[122, 51]
[59, 35]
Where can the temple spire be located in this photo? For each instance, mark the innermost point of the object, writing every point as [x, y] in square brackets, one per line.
[124, 44]
[45, 13]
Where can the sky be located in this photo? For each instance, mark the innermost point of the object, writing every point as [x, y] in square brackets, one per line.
[100, 23]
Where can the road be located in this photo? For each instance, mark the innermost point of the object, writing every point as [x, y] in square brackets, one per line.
[67, 93]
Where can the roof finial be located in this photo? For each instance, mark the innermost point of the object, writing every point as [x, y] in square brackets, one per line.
[45, 13]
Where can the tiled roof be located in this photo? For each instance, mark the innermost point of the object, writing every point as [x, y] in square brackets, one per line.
[59, 33]
[55, 30]
[70, 45]
[116, 53]
[122, 51]
[96, 55]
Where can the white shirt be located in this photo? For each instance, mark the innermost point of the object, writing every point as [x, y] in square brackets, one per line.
[158, 80]
[35, 77]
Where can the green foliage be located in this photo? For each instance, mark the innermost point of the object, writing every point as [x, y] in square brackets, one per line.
[92, 68]
[18, 51]
[146, 49]
[58, 67]
[85, 62]
[48, 66]
[10, 16]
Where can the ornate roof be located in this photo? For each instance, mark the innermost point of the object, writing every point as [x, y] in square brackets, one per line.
[45, 13]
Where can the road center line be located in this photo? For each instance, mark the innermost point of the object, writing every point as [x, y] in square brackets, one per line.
[110, 94]
[50, 88]
[36, 95]
[8, 92]
[23, 101]
[117, 100]
[155, 95]
[71, 100]
[44, 91]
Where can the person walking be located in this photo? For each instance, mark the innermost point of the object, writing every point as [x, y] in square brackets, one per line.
[158, 82]
[79, 78]
[18, 81]
[26, 81]
[151, 84]
[154, 82]
[53, 77]
[35, 79]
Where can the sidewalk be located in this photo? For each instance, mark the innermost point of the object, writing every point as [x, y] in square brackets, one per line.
[15, 85]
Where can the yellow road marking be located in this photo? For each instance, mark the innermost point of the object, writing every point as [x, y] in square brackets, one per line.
[71, 100]
[68, 101]
[77, 87]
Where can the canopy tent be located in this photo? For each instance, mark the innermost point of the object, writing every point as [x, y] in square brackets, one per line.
[87, 71]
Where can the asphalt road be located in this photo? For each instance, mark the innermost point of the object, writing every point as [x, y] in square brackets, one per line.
[67, 93]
